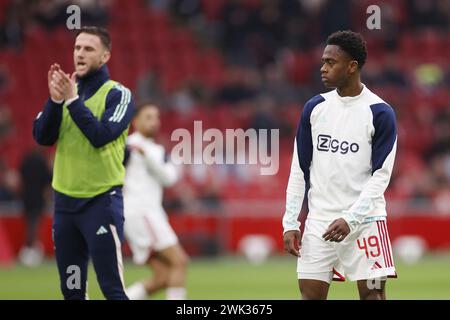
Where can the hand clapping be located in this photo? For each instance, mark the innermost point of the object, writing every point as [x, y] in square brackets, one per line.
[61, 85]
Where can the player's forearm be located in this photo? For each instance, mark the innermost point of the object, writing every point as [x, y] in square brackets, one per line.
[294, 195]
[169, 175]
[293, 206]
[166, 173]
[98, 133]
[374, 188]
[47, 123]
[294, 200]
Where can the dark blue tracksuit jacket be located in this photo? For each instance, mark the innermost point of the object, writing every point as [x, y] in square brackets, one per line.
[89, 226]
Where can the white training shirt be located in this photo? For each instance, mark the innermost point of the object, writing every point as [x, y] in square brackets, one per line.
[147, 174]
[344, 151]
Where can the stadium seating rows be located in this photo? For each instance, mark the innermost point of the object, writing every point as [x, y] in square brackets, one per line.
[146, 40]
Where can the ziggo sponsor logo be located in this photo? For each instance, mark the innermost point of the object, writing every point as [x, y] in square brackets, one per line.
[327, 143]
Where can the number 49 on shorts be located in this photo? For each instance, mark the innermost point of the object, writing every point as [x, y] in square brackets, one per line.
[370, 245]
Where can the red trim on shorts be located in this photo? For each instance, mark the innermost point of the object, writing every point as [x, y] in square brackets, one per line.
[388, 243]
[340, 277]
[381, 234]
[395, 276]
[382, 244]
[378, 265]
[383, 230]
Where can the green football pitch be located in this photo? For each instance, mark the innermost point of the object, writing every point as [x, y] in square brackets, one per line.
[235, 278]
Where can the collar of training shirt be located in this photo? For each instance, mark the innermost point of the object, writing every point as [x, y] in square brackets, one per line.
[350, 100]
[90, 84]
[144, 138]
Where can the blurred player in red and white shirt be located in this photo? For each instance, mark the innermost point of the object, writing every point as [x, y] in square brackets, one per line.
[147, 229]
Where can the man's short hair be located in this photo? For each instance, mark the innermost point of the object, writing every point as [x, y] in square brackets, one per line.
[143, 105]
[352, 43]
[100, 32]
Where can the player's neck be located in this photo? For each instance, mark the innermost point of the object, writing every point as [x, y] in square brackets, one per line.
[352, 88]
[147, 136]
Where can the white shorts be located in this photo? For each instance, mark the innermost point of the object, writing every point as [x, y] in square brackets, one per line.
[365, 253]
[147, 232]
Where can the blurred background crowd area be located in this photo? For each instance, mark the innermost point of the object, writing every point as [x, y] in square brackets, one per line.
[237, 64]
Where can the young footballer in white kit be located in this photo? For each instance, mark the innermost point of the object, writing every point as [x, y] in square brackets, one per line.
[147, 229]
[343, 158]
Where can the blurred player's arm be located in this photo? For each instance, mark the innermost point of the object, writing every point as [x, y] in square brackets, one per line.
[47, 123]
[116, 118]
[164, 171]
[384, 145]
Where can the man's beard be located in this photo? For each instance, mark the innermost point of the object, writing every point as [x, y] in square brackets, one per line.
[90, 71]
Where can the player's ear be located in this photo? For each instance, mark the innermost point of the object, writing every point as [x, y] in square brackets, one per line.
[106, 56]
[353, 66]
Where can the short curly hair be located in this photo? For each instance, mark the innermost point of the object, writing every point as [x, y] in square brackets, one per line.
[352, 43]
